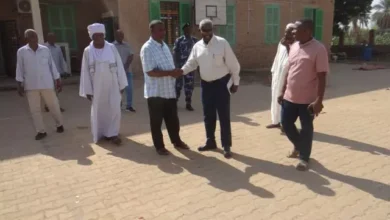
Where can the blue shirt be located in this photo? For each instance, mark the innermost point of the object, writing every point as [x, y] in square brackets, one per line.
[58, 58]
[156, 56]
[182, 49]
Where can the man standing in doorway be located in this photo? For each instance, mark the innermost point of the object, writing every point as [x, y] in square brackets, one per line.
[58, 58]
[279, 72]
[35, 74]
[304, 90]
[127, 58]
[220, 74]
[182, 49]
[160, 74]
[102, 81]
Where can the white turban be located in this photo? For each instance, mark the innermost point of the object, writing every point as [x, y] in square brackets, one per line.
[96, 28]
[290, 26]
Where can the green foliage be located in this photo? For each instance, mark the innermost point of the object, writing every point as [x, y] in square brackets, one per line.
[346, 10]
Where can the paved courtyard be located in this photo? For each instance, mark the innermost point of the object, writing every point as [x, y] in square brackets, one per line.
[67, 177]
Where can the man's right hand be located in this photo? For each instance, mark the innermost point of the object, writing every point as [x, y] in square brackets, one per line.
[177, 73]
[90, 97]
[280, 99]
[21, 91]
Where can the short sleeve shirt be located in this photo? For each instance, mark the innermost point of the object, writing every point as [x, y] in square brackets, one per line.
[156, 56]
[305, 62]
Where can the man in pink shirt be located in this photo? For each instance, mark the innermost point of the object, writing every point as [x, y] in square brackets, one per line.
[304, 90]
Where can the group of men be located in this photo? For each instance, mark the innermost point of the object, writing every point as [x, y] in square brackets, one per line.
[298, 84]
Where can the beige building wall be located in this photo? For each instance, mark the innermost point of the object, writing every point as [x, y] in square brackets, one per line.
[250, 48]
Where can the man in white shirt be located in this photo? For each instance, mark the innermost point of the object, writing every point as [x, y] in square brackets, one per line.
[102, 81]
[58, 58]
[219, 71]
[35, 74]
[279, 71]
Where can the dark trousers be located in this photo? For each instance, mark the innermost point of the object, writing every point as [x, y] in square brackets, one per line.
[188, 82]
[163, 109]
[302, 140]
[216, 99]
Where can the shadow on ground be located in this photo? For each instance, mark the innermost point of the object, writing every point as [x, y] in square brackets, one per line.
[231, 179]
[351, 144]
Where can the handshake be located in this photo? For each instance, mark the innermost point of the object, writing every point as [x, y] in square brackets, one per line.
[176, 73]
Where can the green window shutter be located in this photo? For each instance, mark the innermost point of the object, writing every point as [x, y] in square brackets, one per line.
[268, 24]
[62, 23]
[319, 21]
[228, 31]
[276, 24]
[184, 14]
[272, 24]
[154, 10]
[309, 13]
[231, 24]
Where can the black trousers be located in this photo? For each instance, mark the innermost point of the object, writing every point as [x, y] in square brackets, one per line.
[163, 109]
[216, 99]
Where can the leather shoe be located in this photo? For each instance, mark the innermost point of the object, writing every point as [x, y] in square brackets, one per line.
[40, 136]
[207, 148]
[227, 154]
[181, 145]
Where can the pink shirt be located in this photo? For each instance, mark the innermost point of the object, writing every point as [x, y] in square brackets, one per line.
[305, 61]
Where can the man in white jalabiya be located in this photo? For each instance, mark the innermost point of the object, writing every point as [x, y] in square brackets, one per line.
[103, 80]
[279, 72]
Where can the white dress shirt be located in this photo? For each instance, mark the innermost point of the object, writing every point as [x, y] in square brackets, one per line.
[215, 59]
[36, 69]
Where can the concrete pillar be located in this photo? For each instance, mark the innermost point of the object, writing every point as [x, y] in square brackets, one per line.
[37, 20]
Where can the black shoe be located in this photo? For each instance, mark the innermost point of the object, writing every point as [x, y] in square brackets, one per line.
[189, 108]
[60, 129]
[207, 147]
[40, 136]
[130, 109]
[163, 152]
[46, 109]
[62, 110]
[227, 154]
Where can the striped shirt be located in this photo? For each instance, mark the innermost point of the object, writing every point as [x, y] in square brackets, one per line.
[156, 56]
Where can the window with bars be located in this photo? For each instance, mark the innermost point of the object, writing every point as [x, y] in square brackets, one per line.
[228, 31]
[169, 12]
[272, 24]
[62, 23]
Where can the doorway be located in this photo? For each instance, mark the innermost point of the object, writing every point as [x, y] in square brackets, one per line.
[169, 12]
[9, 45]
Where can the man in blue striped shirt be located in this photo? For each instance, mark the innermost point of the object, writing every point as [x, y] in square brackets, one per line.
[160, 74]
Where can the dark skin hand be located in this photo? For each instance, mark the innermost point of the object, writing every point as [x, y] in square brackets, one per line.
[58, 85]
[159, 73]
[20, 89]
[317, 106]
[90, 97]
[234, 89]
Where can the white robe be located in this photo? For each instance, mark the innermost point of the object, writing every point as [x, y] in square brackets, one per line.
[279, 71]
[103, 80]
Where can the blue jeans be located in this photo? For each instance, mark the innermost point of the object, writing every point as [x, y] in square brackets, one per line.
[129, 90]
[216, 99]
[302, 140]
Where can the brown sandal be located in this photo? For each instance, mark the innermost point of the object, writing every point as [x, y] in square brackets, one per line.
[293, 154]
